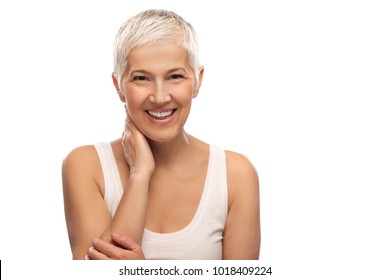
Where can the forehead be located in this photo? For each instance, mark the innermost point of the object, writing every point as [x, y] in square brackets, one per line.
[161, 54]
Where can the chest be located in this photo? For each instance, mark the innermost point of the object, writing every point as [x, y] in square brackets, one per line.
[174, 198]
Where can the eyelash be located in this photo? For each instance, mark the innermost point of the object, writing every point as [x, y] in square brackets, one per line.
[140, 78]
[176, 76]
[145, 78]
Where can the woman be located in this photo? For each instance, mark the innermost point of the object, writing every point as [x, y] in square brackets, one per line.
[158, 192]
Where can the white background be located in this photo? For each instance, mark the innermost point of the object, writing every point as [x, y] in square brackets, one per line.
[300, 87]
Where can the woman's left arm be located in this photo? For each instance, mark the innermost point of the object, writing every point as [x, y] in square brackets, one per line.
[242, 231]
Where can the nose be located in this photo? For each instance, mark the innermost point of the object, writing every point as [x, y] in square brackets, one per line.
[160, 94]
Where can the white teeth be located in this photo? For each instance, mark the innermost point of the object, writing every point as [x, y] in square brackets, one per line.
[160, 115]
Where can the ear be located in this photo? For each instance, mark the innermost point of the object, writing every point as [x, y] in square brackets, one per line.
[200, 79]
[118, 88]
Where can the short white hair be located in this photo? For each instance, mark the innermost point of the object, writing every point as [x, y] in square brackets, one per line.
[151, 26]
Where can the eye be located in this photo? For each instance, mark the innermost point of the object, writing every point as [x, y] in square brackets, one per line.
[140, 78]
[176, 76]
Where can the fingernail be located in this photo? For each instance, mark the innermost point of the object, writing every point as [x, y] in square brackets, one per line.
[86, 257]
[90, 250]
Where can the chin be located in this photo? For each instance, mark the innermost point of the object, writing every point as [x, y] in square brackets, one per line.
[162, 137]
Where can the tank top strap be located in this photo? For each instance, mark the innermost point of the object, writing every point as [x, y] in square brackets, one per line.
[113, 189]
[216, 185]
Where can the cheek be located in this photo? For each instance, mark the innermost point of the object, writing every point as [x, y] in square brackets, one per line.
[133, 105]
[135, 97]
[185, 94]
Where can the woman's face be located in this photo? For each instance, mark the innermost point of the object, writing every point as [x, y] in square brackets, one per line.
[158, 87]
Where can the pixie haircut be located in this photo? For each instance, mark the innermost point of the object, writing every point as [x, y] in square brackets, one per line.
[151, 26]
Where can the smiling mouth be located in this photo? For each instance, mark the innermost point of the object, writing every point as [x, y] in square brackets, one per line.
[161, 115]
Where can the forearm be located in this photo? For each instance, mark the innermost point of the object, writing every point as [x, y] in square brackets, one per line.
[129, 218]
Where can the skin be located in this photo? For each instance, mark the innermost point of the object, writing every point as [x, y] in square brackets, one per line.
[155, 161]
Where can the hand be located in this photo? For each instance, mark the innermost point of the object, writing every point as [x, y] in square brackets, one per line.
[126, 249]
[136, 149]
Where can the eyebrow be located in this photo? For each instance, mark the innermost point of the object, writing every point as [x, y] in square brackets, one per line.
[177, 69]
[141, 71]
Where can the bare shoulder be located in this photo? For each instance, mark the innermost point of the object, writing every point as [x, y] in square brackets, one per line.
[81, 164]
[239, 166]
[241, 175]
[242, 230]
[80, 156]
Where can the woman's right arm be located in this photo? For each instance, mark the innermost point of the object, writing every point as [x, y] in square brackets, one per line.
[86, 213]
[85, 210]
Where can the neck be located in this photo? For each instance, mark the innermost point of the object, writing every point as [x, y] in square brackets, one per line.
[168, 153]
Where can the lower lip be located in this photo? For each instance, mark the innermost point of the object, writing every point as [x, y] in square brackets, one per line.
[163, 121]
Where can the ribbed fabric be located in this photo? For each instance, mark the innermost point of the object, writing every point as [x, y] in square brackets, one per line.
[202, 237]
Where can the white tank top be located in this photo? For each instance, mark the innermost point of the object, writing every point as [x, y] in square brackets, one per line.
[202, 237]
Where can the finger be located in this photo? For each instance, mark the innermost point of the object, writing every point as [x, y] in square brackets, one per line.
[134, 249]
[94, 254]
[128, 119]
[127, 124]
[125, 242]
[107, 249]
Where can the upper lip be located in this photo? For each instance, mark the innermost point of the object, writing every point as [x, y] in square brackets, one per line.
[161, 110]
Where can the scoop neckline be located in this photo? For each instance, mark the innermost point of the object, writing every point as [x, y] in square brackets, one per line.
[149, 234]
